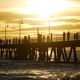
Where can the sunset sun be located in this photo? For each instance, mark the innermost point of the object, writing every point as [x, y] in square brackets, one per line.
[44, 8]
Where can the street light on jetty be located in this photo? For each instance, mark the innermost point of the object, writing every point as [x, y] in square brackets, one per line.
[20, 22]
[37, 31]
[6, 25]
[49, 25]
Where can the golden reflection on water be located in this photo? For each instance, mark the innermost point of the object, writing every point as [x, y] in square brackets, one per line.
[40, 74]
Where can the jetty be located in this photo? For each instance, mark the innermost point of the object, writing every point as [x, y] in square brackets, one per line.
[51, 48]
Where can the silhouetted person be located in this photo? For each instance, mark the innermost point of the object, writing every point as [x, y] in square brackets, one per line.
[9, 41]
[0, 41]
[25, 40]
[6, 41]
[51, 37]
[19, 41]
[68, 36]
[74, 36]
[64, 35]
[13, 40]
[43, 38]
[16, 41]
[77, 36]
[39, 38]
[47, 38]
[28, 38]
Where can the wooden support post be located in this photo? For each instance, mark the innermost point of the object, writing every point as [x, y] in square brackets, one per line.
[47, 57]
[6, 50]
[58, 54]
[43, 50]
[63, 55]
[10, 53]
[51, 54]
[35, 56]
[41, 54]
[55, 54]
[19, 52]
[2, 52]
[15, 53]
[32, 54]
[69, 57]
[73, 51]
[75, 55]
[64, 52]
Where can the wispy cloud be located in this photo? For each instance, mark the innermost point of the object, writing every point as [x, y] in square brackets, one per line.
[68, 20]
[8, 16]
[70, 12]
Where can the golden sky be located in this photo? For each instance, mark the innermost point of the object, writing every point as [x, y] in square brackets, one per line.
[38, 13]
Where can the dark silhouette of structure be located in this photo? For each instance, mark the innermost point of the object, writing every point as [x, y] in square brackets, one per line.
[25, 49]
[68, 36]
[64, 36]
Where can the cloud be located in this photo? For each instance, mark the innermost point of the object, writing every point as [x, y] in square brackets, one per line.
[10, 3]
[76, 0]
[13, 18]
[68, 20]
[70, 12]
[8, 16]
[31, 19]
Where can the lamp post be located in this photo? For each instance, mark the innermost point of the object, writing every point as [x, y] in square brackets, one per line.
[49, 25]
[49, 28]
[19, 30]
[37, 31]
[5, 32]
[6, 25]
[20, 22]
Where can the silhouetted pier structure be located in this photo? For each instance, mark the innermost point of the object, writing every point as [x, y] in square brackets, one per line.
[45, 49]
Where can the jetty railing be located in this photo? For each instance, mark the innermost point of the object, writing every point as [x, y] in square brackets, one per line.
[42, 38]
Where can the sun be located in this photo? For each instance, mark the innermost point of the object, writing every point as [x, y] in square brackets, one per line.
[44, 8]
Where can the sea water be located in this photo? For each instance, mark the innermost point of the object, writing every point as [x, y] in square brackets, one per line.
[23, 70]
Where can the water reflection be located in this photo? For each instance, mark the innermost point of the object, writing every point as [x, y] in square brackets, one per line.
[10, 70]
[39, 74]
